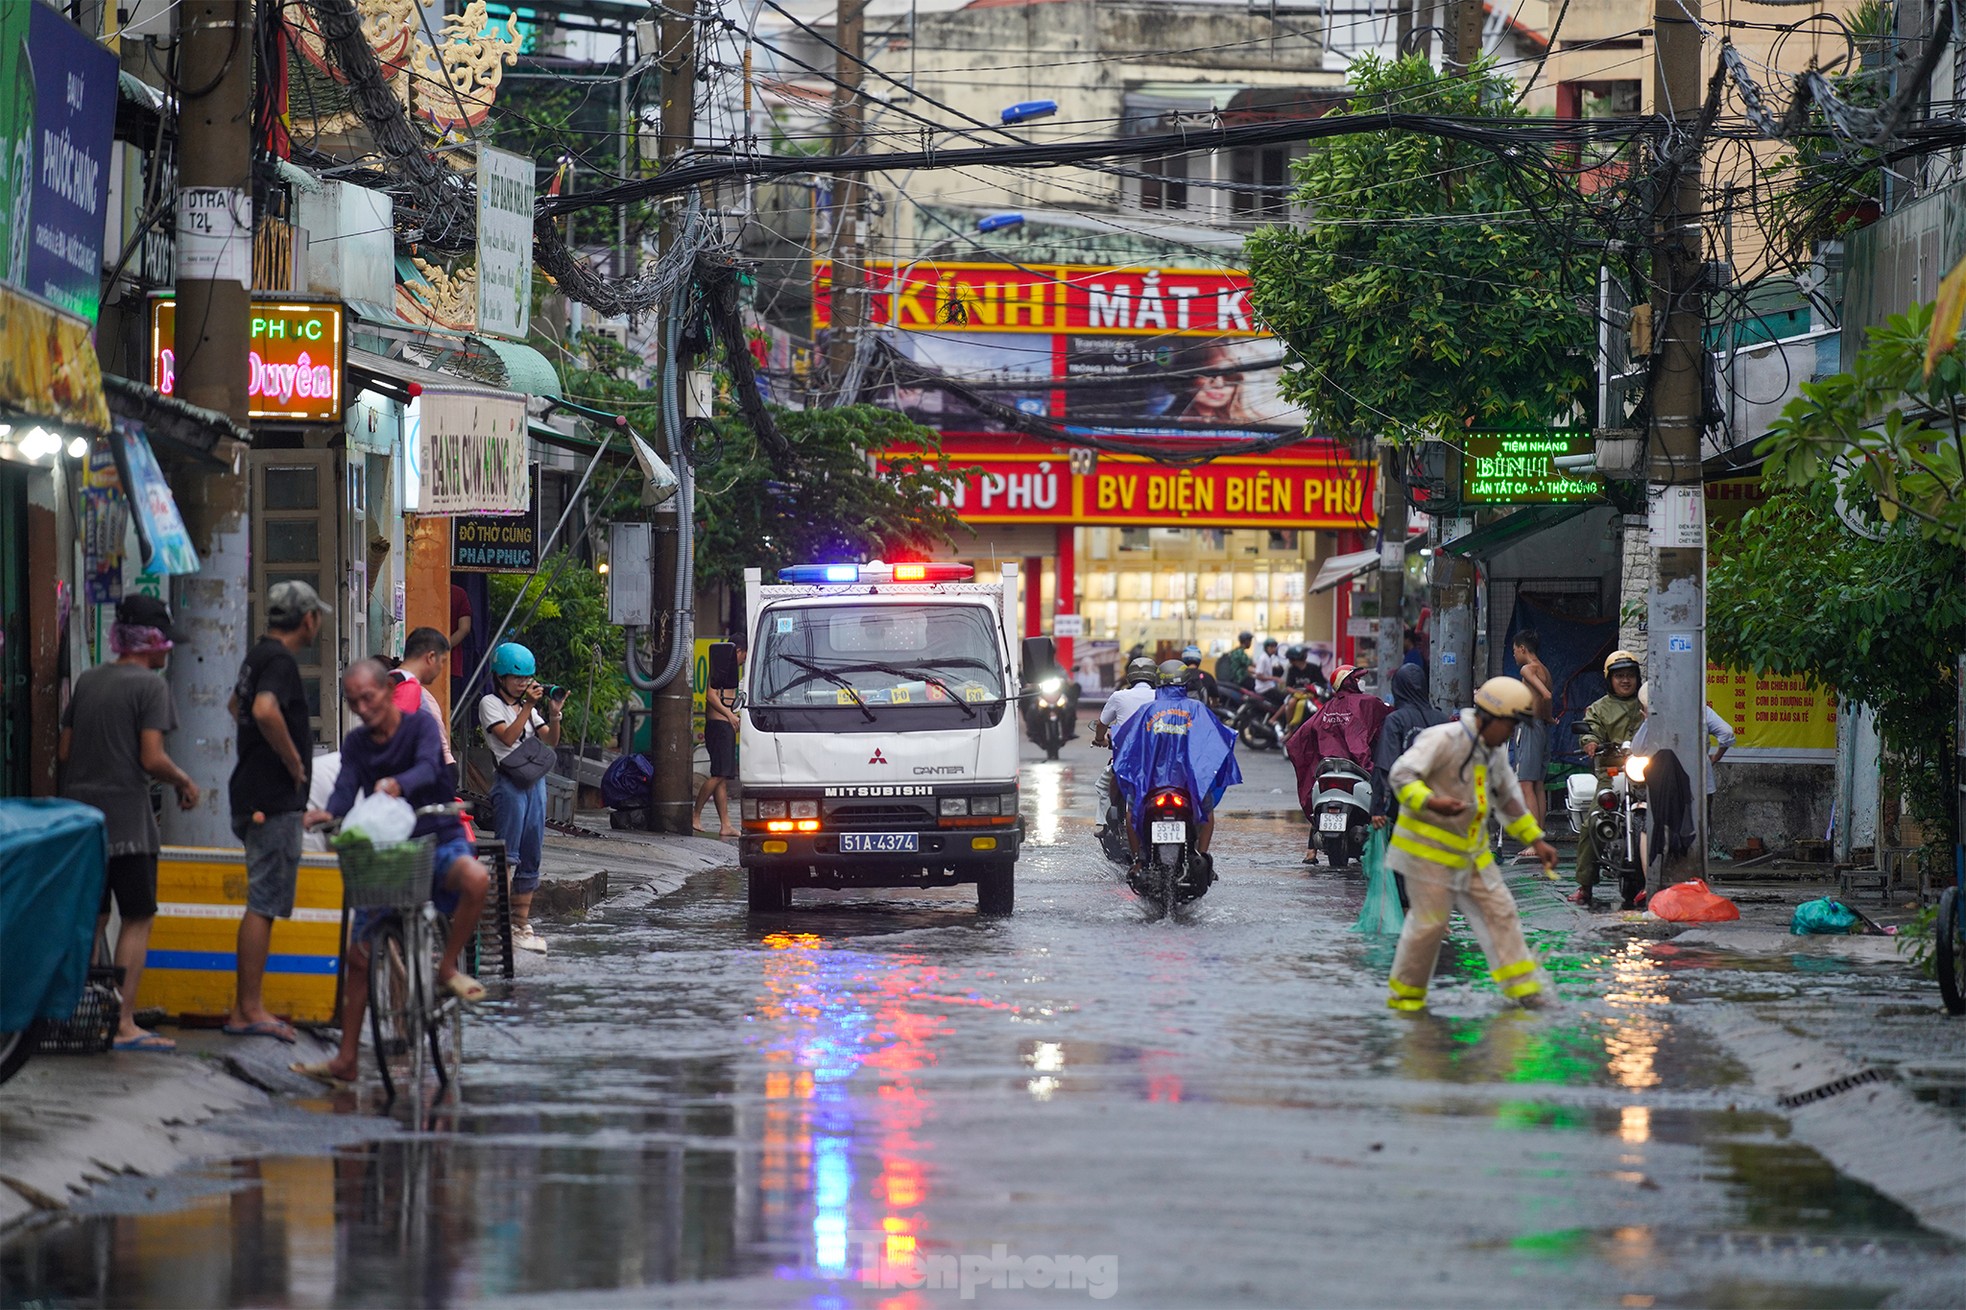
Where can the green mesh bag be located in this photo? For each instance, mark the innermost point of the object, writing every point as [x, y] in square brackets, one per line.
[1381, 912]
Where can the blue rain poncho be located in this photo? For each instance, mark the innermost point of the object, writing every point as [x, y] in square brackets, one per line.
[1175, 741]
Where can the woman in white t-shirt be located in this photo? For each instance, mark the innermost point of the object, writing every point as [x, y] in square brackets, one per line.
[519, 808]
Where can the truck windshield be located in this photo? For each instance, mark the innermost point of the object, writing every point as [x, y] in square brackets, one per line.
[878, 655]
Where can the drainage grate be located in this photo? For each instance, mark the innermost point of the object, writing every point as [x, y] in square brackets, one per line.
[1830, 1089]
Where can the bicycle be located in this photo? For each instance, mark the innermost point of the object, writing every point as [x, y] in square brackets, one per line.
[408, 1013]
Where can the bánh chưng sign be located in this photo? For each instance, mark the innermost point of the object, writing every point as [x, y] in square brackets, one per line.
[295, 362]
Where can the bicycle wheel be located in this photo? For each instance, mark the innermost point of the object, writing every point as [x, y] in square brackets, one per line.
[1949, 952]
[392, 1001]
[443, 1013]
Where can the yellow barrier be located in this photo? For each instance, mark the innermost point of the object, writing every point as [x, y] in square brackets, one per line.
[192, 966]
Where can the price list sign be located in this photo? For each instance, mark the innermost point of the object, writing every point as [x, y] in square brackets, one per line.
[1770, 713]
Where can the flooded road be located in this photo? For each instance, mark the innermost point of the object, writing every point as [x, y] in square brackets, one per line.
[882, 1099]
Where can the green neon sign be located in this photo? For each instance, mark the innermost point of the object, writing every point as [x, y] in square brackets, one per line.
[1519, 468]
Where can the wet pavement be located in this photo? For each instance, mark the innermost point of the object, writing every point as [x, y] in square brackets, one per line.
[883, 1099]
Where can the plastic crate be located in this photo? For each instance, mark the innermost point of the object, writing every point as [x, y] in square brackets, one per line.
[560, 798]
[397, 875]
[91, 1029]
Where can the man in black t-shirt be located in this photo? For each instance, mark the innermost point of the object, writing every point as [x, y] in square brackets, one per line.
[269, 789]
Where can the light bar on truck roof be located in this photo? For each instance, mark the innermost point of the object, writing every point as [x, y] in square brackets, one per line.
[836, 574]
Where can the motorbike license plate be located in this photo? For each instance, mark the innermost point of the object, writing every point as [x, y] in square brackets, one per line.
[878, 843]
[1169, 830]
[1333, 822]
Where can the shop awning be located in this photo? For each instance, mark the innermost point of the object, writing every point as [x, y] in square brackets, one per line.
[525, 368]
[1498, 536]
[1343, 568]
[168, 421]
[395, 375]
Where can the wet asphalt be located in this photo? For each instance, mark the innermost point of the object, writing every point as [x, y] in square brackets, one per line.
[884, 1099]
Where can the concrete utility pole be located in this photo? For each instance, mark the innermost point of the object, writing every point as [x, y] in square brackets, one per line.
[1462, 45]
[214, 320]
[672, 744]
[849, 296]
[1676, 604]
[1392, 564]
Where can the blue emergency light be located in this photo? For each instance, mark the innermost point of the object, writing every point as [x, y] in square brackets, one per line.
[822, 574]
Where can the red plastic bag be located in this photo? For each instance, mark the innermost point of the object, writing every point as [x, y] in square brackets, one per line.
[1692, 901]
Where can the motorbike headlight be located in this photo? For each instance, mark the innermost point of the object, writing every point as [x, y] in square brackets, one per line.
[1051, 686]
[1635, 767]
[955, 805]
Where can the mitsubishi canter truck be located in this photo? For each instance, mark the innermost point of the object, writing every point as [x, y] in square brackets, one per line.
[880, 728]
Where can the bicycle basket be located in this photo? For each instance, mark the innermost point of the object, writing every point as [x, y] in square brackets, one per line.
[397, 874]
[91, 1029]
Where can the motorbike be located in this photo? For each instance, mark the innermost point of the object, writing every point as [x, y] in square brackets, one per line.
[1052, 718]
[1252, 724]
[1174, 871]
[1620, 817]
[1341, 807]
[1112, 832]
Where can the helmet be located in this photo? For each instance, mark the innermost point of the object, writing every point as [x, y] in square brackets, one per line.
[1621, 660]
[1297, 653]
[1269, 643]
[1645, 696]
[511, 657]
[1341, 675]
[1504, 698]
[1142, 670]
[1191, 655]
[1173, 673]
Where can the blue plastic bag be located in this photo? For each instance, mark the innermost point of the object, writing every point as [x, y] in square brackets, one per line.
[625, 786]
[1822, 917]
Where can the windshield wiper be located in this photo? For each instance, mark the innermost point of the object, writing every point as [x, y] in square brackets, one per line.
[901, 671]
[821, 671]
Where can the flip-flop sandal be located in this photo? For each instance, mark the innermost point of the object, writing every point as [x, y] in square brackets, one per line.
[464, 987]
[319, 1072]
[263, 1028]
[144, 1042]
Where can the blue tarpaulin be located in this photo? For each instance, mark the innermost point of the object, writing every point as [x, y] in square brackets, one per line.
[1175, 741]
[53, 856]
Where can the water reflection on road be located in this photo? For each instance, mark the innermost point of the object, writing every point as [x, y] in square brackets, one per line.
[824, 1106]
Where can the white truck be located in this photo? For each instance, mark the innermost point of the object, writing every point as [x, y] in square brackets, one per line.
[880, 722]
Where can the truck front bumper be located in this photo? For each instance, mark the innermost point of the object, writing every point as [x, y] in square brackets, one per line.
[944, 855]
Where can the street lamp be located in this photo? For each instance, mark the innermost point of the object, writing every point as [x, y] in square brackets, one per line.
[1026, 110]
[998, 222]
[988, 223]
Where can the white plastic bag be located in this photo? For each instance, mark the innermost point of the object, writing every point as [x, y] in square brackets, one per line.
[384, 820]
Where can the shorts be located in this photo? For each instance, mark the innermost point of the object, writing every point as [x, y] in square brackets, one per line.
[1532, 751]
[272, 862]
[132, 882]
[364, 921]
[721, 738]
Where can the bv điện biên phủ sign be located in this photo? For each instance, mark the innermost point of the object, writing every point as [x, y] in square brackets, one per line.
[295, 365]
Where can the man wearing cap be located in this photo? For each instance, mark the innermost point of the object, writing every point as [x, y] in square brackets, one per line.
[112, 745]
[268, 790]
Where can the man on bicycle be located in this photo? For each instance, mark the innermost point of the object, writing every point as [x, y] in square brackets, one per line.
[400, 755]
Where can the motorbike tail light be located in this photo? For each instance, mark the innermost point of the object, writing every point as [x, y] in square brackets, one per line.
[1607, 799]
[1171, 800]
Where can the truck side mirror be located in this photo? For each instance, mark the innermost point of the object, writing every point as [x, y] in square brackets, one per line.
[723, 666]
[1040, 657]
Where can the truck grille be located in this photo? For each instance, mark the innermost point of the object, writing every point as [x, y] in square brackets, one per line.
[880, 814]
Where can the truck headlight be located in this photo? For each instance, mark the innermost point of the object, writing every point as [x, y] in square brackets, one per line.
[805, 809]
[747, 809]
[982, 805]
[771, 809]
[955, 805]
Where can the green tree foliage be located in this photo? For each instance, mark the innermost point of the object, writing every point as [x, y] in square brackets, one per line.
[570, 639]
[1792, 591]
[1884, 435]
[1401, 326]
[829, 501]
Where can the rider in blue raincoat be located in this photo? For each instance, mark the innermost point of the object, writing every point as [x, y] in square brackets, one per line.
[1175, 740]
